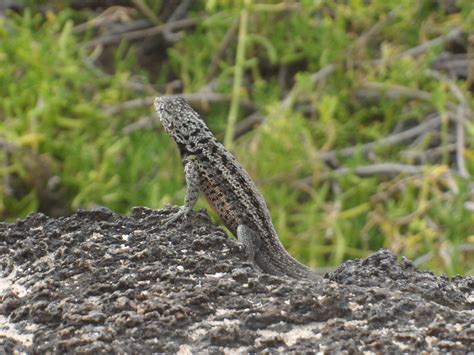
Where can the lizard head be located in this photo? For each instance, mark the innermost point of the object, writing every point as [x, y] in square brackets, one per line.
[180, 121]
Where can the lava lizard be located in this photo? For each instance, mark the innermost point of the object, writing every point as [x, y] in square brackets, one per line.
[209, 167]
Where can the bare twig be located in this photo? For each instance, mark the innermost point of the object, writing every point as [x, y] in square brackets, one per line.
[247, 124]
[283, 6]
[430, 123]
[228, 38]
[315, 77]
[428, 154]
[365, 37]
[177, 14]
[470, 61]
[127, 105]
[195, 98]
[382, 169]
[415, 51]
[152, 31]
[141, 123]
[323, 73]
[457, 65]
[392, 187]
[283, 78]
[145, 9]
[108, 16]
[8, 147]
[385, 169]
[460, 135]
[373, 90]
[238, 73]
[462, 111]
[389, 169]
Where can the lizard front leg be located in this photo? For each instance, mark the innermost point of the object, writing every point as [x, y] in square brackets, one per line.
[191, 174]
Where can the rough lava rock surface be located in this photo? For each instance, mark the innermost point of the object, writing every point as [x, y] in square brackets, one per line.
[101, 282]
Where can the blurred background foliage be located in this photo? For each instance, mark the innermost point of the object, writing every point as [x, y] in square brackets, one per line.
[353, 117]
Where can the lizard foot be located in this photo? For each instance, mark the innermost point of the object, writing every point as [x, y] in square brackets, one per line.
[182, 213]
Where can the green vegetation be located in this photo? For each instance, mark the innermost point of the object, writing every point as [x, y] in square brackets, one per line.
[310, 84]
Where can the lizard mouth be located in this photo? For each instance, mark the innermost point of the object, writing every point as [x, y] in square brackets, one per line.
[161, 104]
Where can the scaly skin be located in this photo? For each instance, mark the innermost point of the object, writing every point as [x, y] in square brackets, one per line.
[209, 167]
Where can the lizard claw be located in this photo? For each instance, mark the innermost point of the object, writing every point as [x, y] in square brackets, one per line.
[183, 212]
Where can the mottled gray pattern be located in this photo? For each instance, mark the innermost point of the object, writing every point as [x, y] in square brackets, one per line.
[212, 169]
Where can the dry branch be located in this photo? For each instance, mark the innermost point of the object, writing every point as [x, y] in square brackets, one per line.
[428, 155]
[454, 34]
[177, 14]
[152, 31]
[389, 169]
[228, 39]
[430, 123]
[247, 124]
[462, 110]
[196, 98]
